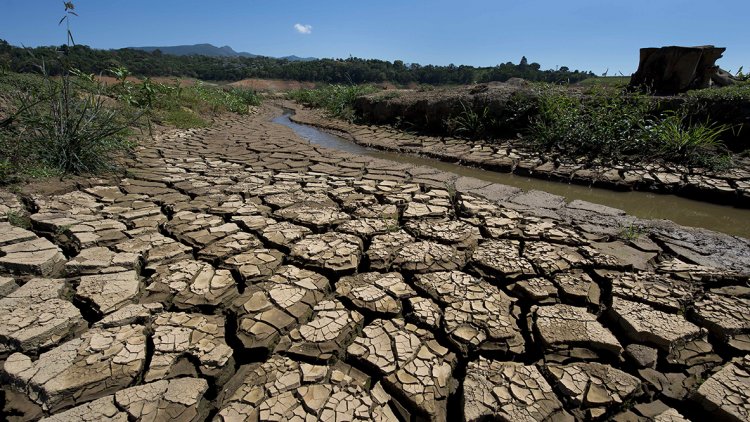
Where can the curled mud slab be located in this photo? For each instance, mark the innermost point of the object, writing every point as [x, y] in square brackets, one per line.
[241, 273]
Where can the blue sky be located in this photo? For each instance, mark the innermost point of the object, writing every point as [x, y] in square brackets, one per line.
[585, 34]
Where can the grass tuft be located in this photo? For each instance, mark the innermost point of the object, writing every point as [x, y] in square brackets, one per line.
[18, 219]
[337, 100]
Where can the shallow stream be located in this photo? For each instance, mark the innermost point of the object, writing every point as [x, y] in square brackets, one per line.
[687, 212]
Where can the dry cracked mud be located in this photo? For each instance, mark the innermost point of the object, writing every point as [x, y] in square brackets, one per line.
[241, 273]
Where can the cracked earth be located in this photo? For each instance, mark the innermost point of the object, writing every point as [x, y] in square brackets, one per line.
[241, 273]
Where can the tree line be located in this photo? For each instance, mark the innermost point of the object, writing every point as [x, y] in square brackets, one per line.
[350, 70]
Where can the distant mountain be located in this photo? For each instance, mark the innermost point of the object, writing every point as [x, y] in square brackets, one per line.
[299, 59]
[210, 51]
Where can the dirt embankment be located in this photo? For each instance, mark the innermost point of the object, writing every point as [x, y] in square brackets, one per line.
[508, 104]
[514, 156]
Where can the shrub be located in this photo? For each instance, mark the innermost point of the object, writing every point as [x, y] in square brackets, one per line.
[610, 125]
[62, 123]
[678, 139]
[181, 106]
[72, 129]
[603, 124]
[337, 100]
[470, 124]
[737, 92]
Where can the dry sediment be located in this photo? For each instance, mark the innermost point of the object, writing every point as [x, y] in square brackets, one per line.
[240, 273]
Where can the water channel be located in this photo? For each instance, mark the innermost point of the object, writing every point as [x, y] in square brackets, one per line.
[684, 211]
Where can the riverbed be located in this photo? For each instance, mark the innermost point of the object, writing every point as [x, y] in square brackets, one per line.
[683, 211]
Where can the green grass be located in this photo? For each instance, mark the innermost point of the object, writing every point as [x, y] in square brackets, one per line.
[170, 101]
[221, 100]
[183, 119]
[613, 126]
[603, 124]
[51, 126]
[631, 232]
[677, 138]
[18, 219]
[606, 81]
[337, 100]
[59, 125]
[470, 124]
[737, 92]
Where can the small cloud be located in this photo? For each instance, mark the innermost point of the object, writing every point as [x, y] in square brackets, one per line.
[303, 29]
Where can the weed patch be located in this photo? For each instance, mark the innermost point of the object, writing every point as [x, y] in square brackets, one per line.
[737, 92]
[470, 124]
[676, 138]
[18, 219]
[612, 126]
[183, 119]
[631, 232]
[603, 124]
[337, 100]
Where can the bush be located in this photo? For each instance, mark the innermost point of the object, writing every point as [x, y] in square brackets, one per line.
[612, 126]
[218, 99]
[470, 124]
[737, 92]
[677, 139]
[603, 124]
[61, 125]
[181, 106]
[337, 100]
[73, 124]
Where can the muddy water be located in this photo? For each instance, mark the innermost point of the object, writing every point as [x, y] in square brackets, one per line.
[687, 212]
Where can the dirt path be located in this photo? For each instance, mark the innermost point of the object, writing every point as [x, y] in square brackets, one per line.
[240, 273]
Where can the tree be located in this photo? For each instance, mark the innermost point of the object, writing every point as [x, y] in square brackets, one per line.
[352, 69]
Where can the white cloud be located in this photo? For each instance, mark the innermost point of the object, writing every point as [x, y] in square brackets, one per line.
[303, 29]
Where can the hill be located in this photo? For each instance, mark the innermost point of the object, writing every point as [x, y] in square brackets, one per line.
[209, 50]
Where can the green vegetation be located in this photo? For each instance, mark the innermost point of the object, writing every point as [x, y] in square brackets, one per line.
[606, 81]
[603, 123]
[61, 123]
[18, 219]
[631, 232]
[74, 124]
[674, 136]
[183, 118]
[337, 100]
[612, 126]
[737, 92]
[599, 124]
[470, 124]
[389, 95]
[332, 71]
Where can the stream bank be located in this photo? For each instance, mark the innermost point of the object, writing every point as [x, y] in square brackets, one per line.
[730, 187]
[646, 205]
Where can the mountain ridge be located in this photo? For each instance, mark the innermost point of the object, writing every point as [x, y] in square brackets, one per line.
[210, 50]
